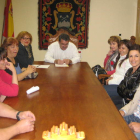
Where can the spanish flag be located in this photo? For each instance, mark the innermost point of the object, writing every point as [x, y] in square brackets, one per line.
[8, 26]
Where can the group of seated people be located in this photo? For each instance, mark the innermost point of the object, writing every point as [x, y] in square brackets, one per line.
[16, 62]
[123, 64]
[16, 59]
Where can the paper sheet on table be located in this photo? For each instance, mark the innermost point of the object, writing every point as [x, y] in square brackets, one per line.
[61, 65]
[41, 66]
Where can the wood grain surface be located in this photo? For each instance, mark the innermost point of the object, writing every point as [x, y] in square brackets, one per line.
[72, 95]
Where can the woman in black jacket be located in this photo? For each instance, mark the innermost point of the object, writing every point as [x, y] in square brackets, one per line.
[25, 54]
[129, 85]
[131, 81]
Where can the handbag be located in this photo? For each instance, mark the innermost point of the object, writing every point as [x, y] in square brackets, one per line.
[97, 69]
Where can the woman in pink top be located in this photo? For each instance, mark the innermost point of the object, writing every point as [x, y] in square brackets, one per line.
[110, 59]
[8, 83]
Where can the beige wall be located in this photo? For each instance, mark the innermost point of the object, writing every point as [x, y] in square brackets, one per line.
[107, 17]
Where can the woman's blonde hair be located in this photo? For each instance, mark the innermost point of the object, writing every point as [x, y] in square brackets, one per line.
[114, 39]
[22, 34]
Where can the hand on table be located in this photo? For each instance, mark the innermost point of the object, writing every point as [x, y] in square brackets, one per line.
[25, 125]
[31, 69]
[27, 114]
[67, 61]
[58, 61]
[135, 126]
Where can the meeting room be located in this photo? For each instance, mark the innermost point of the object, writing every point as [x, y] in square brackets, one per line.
[70, 69]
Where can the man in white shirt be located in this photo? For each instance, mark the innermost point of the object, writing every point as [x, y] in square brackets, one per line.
[62, 51]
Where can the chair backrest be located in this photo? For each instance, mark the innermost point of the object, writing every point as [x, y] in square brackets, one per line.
[55, 37]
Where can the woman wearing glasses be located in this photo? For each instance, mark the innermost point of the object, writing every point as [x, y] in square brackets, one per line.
[25, 55]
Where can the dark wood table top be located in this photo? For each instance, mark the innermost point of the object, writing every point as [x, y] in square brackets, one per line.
[72, 95]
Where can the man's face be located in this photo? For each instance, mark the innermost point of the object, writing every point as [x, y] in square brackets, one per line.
[63, 44]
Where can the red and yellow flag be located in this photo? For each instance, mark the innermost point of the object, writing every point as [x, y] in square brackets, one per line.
[8, 29]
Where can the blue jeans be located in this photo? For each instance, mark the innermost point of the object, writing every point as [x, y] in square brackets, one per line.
[112, 92]
[132, 118]
[137, 135]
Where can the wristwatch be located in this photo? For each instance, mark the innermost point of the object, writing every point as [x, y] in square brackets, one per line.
[17, 116]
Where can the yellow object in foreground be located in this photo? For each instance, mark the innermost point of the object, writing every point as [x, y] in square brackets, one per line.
[63, 133]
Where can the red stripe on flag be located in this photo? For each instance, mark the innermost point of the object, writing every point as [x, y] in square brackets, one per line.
[6, 15]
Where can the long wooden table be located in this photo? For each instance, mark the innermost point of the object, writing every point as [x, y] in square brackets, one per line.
[72, 95]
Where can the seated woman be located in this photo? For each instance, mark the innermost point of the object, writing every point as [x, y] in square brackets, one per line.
[131, 81]
[8, 84]
[11, 45]
[122, 65]
[131, 112]
[112, 54]
[25, 55]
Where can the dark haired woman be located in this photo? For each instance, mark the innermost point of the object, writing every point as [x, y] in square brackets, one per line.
[131, 81]
[8, 83]
[122, 64]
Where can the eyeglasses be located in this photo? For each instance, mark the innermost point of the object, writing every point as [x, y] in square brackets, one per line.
[26, 38]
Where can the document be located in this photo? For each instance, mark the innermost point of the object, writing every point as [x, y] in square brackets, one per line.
[42, 66]
[61, 65]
